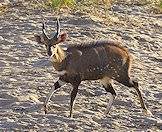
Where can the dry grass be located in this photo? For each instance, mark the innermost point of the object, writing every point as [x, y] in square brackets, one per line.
[91, 6]
[3, 8]
[101, 8]
[57, 4]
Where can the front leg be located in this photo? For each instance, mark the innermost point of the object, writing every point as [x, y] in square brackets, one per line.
[75, 81]
[57, 85]
[73, 95]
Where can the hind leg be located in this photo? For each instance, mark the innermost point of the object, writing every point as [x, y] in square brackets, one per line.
[146, 111]
[73, 95]
[135, 85]
[130, 83]
[106, 82]
[75, 81]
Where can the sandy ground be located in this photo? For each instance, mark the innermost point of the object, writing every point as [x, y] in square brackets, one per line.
[26, 77]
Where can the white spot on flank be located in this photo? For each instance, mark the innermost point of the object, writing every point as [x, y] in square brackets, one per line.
[123, 61]
[96, 51]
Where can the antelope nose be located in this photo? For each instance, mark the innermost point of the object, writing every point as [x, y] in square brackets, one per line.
[49, 53]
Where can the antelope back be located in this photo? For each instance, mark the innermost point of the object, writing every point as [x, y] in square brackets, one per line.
[98, 59]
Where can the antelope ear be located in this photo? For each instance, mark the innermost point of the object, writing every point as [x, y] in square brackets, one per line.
[63, 37]
[38, 38]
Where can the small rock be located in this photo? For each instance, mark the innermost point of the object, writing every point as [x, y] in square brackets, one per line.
[159, 124]
[1, 38]
[13, 80]
[143, 38]
[34, 98]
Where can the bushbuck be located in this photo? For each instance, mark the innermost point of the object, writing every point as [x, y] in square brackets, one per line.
[98, 60]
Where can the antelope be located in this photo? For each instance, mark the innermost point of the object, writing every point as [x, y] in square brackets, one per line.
[97, 60]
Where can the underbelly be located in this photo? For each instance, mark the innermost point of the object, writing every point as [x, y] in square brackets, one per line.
[91, 75]
[99, 73]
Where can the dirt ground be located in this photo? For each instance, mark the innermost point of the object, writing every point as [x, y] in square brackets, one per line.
[26, 76]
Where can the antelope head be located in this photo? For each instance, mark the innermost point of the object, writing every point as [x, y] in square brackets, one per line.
[53, 41]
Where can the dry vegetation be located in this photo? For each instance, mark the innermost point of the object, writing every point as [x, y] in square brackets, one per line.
[97, 9]
[94, 6]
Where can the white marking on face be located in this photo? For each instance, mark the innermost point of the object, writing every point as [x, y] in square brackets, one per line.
[51, 58]
[53, 49]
